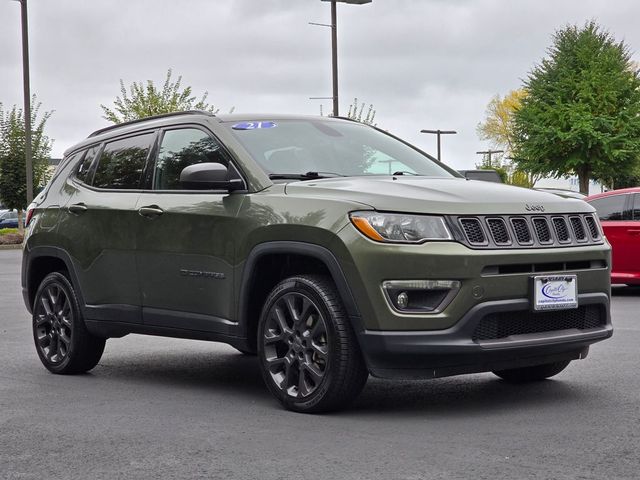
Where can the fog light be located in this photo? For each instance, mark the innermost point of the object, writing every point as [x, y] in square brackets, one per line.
[420, 296]
[403, 300]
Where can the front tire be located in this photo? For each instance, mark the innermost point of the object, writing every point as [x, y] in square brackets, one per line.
[309, 355]
[532, 374]
[61, 338]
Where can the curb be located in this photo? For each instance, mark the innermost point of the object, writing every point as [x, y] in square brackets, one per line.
[15, 246]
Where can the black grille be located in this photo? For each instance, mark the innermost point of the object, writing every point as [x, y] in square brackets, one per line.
[521, 228]
[499, 231]
[526, 231]
[542, 230]
[505, 324]
[593, 227]
[561, 228]
[578, 229]
[473, 231]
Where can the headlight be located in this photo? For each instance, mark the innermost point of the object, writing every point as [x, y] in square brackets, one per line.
[400, 228]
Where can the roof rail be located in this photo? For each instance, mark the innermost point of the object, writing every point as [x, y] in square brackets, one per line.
[153, 117]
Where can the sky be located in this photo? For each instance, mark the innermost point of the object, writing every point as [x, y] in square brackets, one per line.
[423, 64]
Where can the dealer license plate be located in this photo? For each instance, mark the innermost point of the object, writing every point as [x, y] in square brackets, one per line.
[555, 293]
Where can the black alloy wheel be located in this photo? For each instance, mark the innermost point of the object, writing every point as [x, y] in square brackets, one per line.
[295, 344]
[308, 352]
[62, 341]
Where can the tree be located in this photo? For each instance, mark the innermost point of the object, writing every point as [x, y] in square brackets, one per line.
[13, 175]
[145, 100]
[498, 127]
[581, 114]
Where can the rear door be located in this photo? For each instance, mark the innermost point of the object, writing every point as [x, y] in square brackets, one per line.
[186, 244]
[98, 226]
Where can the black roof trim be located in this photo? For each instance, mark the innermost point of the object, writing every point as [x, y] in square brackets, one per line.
[153, 117]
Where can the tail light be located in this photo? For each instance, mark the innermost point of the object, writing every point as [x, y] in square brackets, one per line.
[27, 219]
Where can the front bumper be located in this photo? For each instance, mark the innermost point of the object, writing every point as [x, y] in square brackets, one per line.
[454, 351]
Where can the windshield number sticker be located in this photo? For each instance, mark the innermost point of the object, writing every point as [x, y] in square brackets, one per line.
[253, 125]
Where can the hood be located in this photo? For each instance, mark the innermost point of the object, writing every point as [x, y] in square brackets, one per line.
[453, 196]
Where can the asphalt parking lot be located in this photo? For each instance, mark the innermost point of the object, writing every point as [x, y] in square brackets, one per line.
[166, 408]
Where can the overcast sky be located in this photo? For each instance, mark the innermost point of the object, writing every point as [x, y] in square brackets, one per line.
[422, 63]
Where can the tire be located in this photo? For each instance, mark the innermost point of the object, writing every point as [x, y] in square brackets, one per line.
[532, 374]
[61, 338]
[309, 355]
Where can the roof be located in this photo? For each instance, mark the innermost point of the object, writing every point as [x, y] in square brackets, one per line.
[614, 192]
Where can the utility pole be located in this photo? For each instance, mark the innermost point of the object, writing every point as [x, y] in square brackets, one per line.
[490, 153]
[27, 99]
[438, 133]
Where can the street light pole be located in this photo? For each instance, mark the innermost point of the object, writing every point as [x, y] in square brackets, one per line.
[334, 47]
[27, 99]
[438, 133]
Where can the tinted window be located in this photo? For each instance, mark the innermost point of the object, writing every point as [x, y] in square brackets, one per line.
[84, 169]
[181, 148]
[610, 208]
[122, 162]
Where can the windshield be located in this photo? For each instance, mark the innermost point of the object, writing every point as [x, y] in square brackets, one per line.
[330, 148]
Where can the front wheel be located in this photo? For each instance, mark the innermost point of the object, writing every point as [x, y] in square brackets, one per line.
[309, 355]
[532, 374]
[62, 341]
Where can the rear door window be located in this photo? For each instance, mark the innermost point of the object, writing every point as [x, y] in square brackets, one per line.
[122, 162]
[635, 211]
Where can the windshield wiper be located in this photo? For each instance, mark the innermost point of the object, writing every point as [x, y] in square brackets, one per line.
[304, 176]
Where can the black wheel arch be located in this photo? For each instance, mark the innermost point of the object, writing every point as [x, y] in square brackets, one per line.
[320, 255]
[37, 263]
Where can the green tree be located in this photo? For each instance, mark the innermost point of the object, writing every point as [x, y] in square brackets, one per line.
[13, 176]
[581, 114]
[144, 100]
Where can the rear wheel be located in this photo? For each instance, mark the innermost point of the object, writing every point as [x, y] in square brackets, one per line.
[309, 355]
[532, 374]
[61, 338]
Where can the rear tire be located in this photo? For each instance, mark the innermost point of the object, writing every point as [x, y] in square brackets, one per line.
[61, 338]
[532, 374]
[309, 355]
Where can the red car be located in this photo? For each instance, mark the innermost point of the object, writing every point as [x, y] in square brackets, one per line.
[619, 212]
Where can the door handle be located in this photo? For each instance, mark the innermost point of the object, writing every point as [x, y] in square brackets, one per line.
[77, 208]
[634, 231]
[150, 211]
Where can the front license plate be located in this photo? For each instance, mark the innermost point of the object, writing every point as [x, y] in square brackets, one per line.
[555, 293]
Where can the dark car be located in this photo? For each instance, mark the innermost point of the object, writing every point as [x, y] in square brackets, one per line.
[9, 219]
[329, 248]
[619, 212]
[484, 175]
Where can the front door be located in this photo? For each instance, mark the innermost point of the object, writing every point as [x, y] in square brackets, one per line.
[185, 241]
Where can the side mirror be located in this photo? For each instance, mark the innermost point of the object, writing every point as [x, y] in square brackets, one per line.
[208, 176]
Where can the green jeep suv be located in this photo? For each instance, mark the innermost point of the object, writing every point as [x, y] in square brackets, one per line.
[329, 248]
